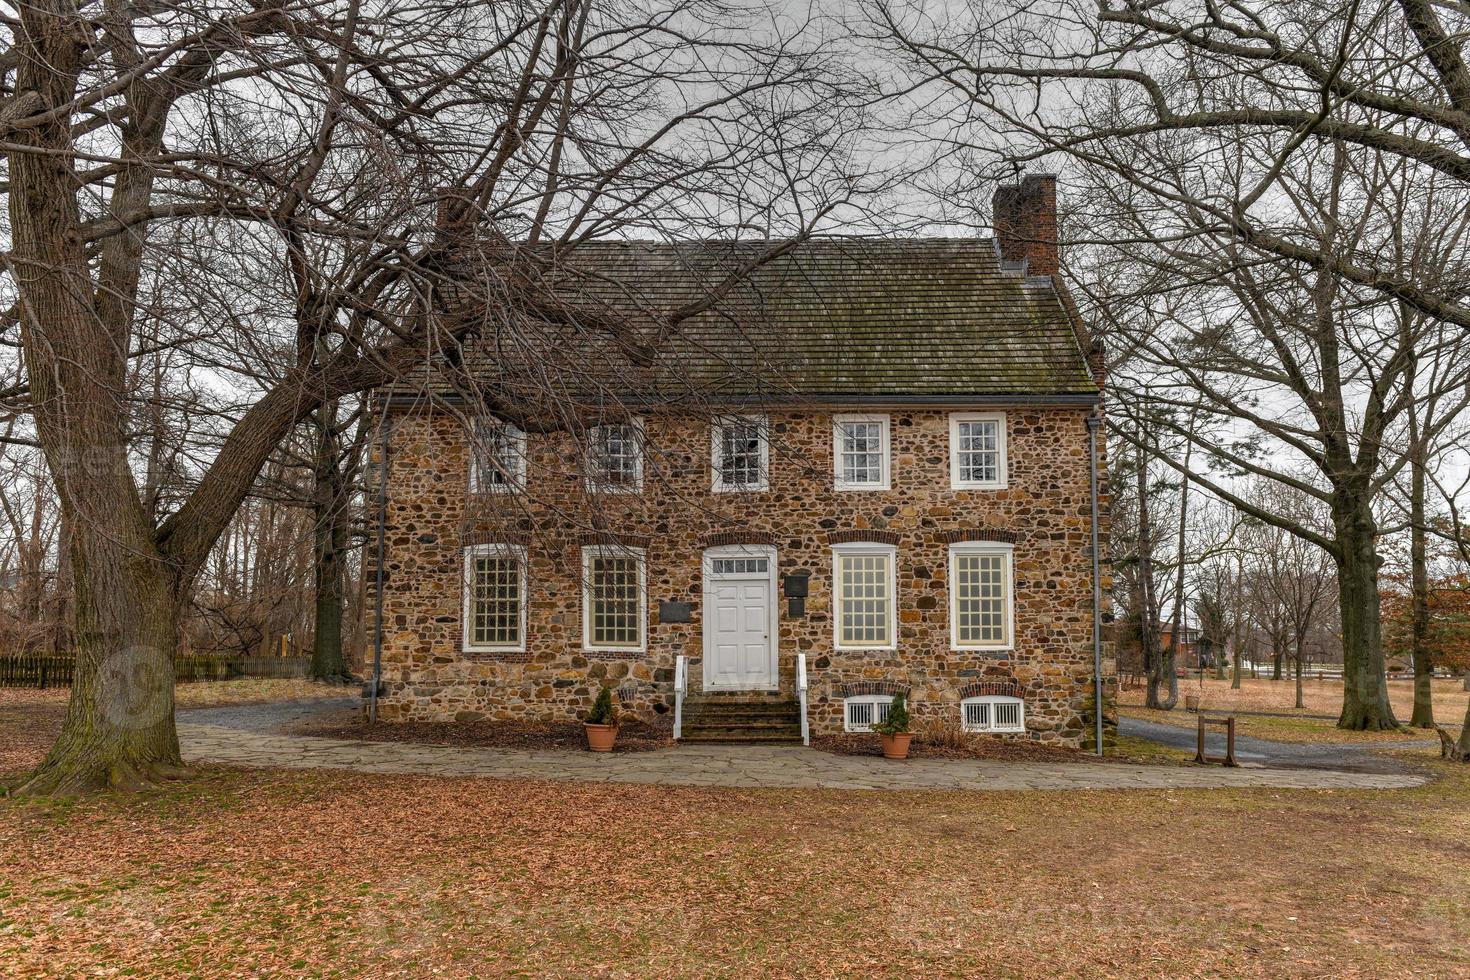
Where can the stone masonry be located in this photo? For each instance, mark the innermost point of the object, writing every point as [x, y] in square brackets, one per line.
[432, 517]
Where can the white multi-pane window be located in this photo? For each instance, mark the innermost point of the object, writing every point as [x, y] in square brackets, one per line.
[740, 454]
[495, 598]
[613, 609]
[497, 457]
[615, 457]
[860, 451]
[977, 451]
[860, 714]
[863, 588]
[993, 714]
[980, 600]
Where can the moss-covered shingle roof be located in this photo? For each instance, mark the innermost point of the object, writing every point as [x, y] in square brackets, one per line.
[834, 320]
[918, 317]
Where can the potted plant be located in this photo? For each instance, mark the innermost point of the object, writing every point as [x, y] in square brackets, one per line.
[894, 730]
[601, 722]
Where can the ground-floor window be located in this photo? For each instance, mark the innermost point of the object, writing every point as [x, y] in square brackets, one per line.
[495, 598]
[864, 586]
[613, 587]
[860, 714]
[980, 596]
[993, 713]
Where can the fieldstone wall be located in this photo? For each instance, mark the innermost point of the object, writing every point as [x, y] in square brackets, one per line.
[432, 517]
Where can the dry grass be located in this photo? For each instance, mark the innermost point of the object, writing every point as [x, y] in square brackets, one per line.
[1298, 729]
[310, 874]
[1321, 697]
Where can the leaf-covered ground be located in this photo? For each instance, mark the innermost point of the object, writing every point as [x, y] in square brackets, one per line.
[322, 874]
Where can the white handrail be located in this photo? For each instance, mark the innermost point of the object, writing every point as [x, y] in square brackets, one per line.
[806, 735]
[681, 687]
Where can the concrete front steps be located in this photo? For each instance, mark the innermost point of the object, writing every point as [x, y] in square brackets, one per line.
[742, 717]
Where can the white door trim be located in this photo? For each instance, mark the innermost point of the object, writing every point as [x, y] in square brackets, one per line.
[773, 630]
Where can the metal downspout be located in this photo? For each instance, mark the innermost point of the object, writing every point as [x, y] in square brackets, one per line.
[1093, 424]
[378, 574]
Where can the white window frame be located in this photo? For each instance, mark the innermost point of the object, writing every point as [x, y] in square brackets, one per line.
[880, 702]
[615, 551]
[993, 700]
[516, 552]
[717, 439]
[1001, 464]
[1006, 550]
[886, 482]
[594, 485]
[863, 549]
[516, 475]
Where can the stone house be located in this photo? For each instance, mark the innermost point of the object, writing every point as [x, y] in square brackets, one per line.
[865, 471]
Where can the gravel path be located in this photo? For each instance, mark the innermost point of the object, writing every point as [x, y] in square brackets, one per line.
[249, 736]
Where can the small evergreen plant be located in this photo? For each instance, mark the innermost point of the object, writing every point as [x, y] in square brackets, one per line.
[603, 712]
[897, 721]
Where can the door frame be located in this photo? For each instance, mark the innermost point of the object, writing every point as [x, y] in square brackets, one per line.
[773, 628]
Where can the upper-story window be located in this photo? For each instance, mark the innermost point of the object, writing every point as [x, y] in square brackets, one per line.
[864, 589]
[495, 598]
[977, 451]
[980, 596]
[615, 457]
[497, 457]
[741, 455]
[860, 452]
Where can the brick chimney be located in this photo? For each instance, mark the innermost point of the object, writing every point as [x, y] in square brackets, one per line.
[1025, 219]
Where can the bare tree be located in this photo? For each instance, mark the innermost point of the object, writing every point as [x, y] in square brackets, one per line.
[284, 165]
[1270, 185]
[1291, 580]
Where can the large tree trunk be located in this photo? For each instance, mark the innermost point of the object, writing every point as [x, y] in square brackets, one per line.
[1464, 743]
[1277, 659]
[1423, 715]
[1365, 705]
[1300, 700]
[119, 727]
[1176, 640]
[1235, 673]
[1148, 630]
[329, 503]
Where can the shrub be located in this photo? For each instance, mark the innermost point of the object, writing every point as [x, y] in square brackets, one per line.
[603, 712]
[945, 733]
[897, 721]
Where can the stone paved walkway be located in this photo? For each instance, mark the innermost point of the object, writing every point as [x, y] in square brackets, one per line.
[743, 765]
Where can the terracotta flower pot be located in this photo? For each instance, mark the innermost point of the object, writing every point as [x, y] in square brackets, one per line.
[600, 738]
[896, 746]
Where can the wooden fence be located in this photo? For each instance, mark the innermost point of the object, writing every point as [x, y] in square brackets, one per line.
[55, 669]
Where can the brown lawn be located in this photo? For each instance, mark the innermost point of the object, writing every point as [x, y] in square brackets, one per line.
[1322, 697]
[311, 874]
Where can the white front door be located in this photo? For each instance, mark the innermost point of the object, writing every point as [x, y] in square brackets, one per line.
[739, 625]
